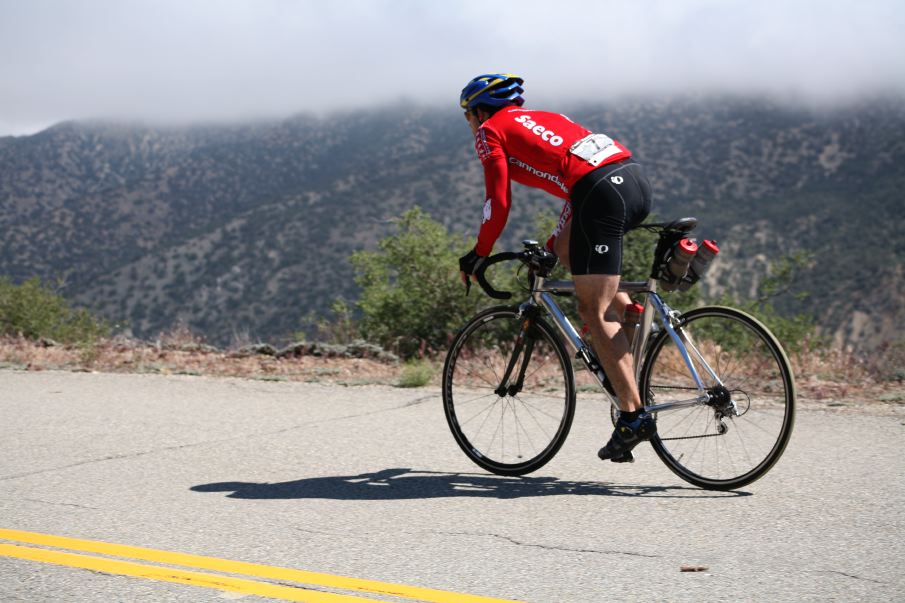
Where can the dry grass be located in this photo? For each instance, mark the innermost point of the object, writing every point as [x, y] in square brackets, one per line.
[825, 375]
[829, 379]
[175, 357]
[836, 376]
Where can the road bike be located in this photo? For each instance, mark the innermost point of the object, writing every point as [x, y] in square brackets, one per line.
[716, 380]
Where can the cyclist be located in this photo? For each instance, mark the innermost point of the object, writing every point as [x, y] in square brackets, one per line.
[606, 193]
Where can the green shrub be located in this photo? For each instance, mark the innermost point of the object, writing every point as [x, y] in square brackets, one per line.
[416, 373]
[34, 310]
[412, 300]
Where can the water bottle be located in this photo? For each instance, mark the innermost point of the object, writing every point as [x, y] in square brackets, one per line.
[677, 266]
[633, 313]
[700, 264]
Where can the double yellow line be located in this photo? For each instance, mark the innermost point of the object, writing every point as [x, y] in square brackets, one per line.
[216, 581]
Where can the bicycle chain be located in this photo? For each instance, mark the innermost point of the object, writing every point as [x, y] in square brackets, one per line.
[706, 435]
[695, 437]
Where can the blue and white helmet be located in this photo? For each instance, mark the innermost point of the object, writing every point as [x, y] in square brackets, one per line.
[495, 89]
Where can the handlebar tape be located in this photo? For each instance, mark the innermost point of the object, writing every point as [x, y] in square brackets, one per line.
[482, 280]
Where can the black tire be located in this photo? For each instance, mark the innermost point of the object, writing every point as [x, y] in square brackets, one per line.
[519, 431]
[755, 374]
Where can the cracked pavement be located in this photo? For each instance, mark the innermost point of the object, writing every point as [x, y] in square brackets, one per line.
[367, 482]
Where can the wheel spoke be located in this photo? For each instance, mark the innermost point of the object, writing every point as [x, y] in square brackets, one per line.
[536, 422]
[489, 409]
[555, 417]
[518, 423]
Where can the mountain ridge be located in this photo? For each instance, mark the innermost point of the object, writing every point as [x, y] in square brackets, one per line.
[239, 231]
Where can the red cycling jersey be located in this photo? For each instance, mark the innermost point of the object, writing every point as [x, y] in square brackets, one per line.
[532, 148]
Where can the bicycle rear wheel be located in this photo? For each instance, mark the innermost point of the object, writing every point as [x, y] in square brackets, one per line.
[737, 437]
[508, 391]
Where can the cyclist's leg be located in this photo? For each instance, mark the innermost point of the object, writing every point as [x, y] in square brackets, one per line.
[612, 347]
[616, 310]
[599, 213]
[595, 295]
[605, 204]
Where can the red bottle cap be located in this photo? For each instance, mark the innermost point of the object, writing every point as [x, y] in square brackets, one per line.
[635, 307]
[688, 246]
[712, 246]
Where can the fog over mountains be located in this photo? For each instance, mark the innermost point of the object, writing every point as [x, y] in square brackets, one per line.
[239, 231]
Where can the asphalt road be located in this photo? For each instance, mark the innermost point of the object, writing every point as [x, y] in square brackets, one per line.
[366, 482]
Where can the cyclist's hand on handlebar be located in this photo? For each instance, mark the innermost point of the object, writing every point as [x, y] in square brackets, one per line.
[468, 265]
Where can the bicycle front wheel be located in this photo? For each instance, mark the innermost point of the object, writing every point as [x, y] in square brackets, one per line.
[508, 391]
[738, 435]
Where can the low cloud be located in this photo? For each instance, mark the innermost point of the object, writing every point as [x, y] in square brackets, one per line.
[241, 59]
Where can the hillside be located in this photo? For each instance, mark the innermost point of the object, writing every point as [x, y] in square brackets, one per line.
[241, 231]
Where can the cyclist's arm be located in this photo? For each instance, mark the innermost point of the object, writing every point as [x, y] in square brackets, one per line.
[498, 189]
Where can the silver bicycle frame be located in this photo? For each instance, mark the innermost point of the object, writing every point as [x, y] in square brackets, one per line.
[543, 295]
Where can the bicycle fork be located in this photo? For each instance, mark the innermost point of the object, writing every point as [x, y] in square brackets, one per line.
[524, 343]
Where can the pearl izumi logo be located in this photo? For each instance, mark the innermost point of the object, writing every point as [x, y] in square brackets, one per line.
[617, 180]
[487, 211]
[601, 248]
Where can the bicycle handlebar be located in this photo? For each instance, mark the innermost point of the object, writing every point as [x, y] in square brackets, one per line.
[490, 261]
[539, 260]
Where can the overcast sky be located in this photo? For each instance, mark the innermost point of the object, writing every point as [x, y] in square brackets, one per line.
[190, 60]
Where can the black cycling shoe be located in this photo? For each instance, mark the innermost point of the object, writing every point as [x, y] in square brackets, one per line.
[626, 457]
[626, 436]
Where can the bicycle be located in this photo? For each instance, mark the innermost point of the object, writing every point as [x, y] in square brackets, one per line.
[716, 380]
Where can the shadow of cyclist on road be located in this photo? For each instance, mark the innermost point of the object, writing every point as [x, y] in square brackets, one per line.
[404, 484]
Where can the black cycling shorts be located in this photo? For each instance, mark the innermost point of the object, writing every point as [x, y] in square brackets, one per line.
[606, 204]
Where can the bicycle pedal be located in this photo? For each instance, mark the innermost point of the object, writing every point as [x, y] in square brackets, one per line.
[628, 457]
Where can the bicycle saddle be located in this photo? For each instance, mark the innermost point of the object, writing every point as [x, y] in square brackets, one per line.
[680, 225]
